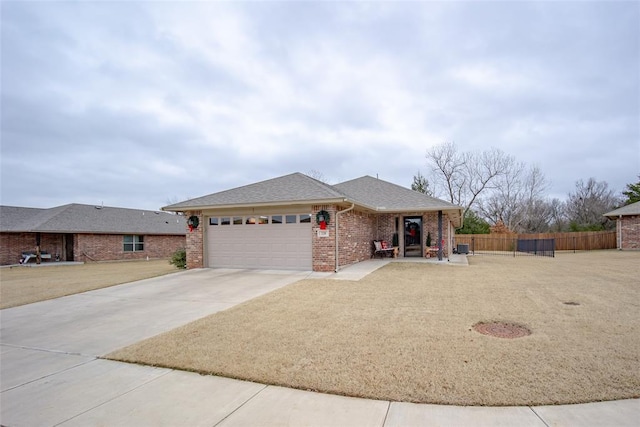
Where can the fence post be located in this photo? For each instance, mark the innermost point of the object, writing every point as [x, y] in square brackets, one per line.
[473, 245]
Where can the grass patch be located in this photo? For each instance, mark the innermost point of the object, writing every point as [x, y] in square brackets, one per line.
[404, 333]
[25, 284]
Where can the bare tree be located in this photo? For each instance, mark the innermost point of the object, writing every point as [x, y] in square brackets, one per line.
[316, 174]
[173, 200]
[464, 177]
[504, 203]
[558, 217]
[518, 200]
[588, 203]
[448, 166]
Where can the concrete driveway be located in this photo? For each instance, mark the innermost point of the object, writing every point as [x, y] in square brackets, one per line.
[50, 373]
[42, 344]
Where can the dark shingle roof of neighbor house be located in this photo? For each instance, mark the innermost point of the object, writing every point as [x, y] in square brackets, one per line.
[78, 218]
[632, 209]
[367, 192]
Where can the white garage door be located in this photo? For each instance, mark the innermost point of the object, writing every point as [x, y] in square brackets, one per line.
[280, 242]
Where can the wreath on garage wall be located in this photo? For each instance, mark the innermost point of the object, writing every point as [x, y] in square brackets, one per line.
[193, 222]
[322, 219]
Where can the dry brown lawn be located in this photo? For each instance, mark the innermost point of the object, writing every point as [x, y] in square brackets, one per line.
[404, 333]
[27, 284]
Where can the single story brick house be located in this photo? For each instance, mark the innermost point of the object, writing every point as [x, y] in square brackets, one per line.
[299, 223]
[77, 232]
[627, 225]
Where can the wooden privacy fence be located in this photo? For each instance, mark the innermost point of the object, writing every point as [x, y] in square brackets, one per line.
[508, 242]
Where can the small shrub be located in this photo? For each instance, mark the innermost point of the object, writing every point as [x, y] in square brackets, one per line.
[179, 258]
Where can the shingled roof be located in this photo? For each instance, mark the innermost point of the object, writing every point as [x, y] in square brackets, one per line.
[386, 196]
[366, 192]
[632, 209]
[295, 188]
[78, 218]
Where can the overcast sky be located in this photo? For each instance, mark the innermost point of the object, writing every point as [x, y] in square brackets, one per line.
[140, 104]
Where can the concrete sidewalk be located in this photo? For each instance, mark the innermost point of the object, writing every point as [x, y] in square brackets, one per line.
[51, 374]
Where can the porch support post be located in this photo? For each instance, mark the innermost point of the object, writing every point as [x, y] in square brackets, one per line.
[439, 235]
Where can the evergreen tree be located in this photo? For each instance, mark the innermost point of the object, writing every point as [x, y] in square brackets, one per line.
[473, 224]
[633, 193]
[421, 185]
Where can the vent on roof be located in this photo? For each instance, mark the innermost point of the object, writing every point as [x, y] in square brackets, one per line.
[98, 207]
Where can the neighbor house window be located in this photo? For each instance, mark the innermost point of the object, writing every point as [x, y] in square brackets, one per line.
[133, 243]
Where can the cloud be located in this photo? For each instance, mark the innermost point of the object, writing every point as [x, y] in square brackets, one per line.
[139, 102]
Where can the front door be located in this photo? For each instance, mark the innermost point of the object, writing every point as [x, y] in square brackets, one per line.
[68, 247]
[413, 236]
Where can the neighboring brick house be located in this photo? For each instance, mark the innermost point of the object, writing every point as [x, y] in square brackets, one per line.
[277, 223]
[78, 232]
[627, 225]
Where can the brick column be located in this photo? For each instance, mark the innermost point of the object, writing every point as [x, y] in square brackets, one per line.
[195, 242]
[323, 248]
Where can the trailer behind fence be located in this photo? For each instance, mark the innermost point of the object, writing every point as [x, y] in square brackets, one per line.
[543, 244]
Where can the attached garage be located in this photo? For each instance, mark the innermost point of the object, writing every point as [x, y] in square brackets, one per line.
[276, 241]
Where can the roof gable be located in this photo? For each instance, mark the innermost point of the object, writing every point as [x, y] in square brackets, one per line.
[78, 218]
[293, 188]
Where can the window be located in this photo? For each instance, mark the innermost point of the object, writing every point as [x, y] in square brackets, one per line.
[250, 220]
[263, 219]
[213, 221]
[305, 218]
[237, 220]
[133, 243]
[291, 219]
[225, 221]
[276, 219]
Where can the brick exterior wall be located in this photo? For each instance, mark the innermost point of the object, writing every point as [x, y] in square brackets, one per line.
[195, 242]
[13, 244]
[87, 247]
[110, 247]
[386, 227]
[630, 231]
[356, 231]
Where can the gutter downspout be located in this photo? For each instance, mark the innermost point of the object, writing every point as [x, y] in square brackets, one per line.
[337, 215]
[440, 236]
[619, 232]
